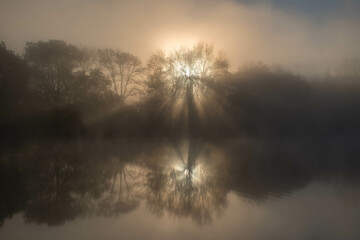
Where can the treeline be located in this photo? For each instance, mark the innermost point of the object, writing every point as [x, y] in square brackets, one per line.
[57, 90]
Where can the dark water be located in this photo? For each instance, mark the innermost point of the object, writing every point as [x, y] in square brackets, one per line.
[301, 188]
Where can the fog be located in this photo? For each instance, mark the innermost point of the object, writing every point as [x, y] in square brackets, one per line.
[308, 38]
[179, 119]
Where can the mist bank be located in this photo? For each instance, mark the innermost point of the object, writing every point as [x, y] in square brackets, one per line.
[307, 37]
[59, 91]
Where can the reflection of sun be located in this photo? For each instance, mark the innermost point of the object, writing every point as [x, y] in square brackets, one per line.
[197, 174]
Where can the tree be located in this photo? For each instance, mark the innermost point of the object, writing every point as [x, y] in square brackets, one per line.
[91, 85]
[64, 74]
[124, 69]
[349, 69]
[14, 90]
[53, 63]
[186, 70]
[156, 72]
[183, 77]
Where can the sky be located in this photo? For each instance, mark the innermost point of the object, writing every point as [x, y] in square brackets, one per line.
[307, 37]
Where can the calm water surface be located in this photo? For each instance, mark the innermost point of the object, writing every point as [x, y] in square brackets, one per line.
[182, 189]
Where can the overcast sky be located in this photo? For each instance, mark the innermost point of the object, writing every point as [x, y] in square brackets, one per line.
[306, 36]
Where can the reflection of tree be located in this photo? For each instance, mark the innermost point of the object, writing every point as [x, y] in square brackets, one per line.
[61, 181]
[56, 192]
[56, 182]
[179, 195]
[184, 191]
[12, 191]
[122, 194]
[261, 171]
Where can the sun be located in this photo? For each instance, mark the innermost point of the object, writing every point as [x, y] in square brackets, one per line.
[181, 69]
[176, 42]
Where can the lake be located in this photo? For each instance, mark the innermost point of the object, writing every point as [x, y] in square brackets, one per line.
[243, 188]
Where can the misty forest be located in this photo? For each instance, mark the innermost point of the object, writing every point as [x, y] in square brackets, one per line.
[109, 104]
[56, 90]
[185, 143]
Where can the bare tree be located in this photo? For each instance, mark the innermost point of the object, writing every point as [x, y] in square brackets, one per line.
[349, 69]
[185, 75]
[186, 69]
[124, 70]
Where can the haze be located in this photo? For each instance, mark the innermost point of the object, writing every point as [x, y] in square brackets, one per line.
[183, 119]
[308, 38]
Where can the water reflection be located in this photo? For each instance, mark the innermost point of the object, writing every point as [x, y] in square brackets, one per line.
[57, 182]
[186, 186]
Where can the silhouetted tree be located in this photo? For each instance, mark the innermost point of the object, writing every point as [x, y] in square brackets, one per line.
[349, 69]
[156, 75]
[63, 74]
[53, 64]
[124, 70]
[266, 100]
[15, 95]
[182, 78]
[93, 85]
